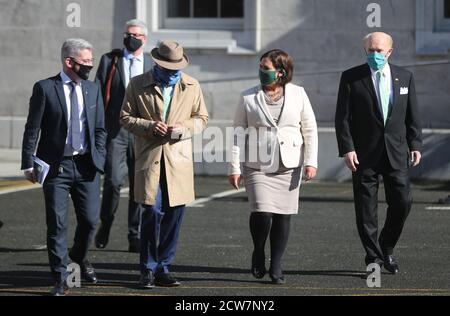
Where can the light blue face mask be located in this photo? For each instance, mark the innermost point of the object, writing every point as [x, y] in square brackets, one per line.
[376, 60]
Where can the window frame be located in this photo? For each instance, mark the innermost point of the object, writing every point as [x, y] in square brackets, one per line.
[442, 24]
[432, 35]
[245, 41]
[198, 23]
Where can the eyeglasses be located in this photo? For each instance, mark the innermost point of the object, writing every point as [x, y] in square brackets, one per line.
[126, 34]
[83, 61]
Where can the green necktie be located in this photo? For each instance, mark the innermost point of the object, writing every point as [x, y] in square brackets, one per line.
[383, 91]
[167, 97]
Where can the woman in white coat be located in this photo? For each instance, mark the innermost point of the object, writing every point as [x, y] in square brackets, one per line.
[275, 140]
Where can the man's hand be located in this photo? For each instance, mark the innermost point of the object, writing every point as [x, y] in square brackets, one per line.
[29, 175]
[160, 129]
[235, 180]
[415, 158]
[351, 160]
[175, 131]
[310, 173]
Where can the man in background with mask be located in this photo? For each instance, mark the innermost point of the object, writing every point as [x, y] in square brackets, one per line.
[378, 133]
[164, 108]
[114, 73]
[66, 115]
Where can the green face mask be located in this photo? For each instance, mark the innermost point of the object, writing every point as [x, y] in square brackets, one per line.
[267, 77]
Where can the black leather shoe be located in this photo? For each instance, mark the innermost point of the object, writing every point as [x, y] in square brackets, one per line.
[102, 236]
[166, 280]
[87, 270]
[258, 269]
[60, 289]
[390, 264]
[146, 280]
[134, 246]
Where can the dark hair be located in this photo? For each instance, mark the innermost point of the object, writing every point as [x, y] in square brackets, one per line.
[282, 61]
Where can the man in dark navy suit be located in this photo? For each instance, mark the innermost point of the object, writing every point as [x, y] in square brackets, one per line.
[378, 132]
[114, 72]
[67, 111]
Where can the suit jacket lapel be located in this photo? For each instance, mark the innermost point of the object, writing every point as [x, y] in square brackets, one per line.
[288, 91]
[121, 73]
[395, 87]
[368, 82]
[87, 104]
[61, 96]
[262, 105]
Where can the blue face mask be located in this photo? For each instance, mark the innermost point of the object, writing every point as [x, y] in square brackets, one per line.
[166, 77]
[376, 60]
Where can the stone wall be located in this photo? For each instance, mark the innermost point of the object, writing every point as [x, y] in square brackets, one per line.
[323, 36]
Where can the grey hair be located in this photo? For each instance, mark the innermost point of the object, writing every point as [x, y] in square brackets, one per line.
[73, 46]
[369, 36]
[139, 23]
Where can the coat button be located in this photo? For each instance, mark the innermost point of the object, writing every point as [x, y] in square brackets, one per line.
[156, 162]
[282, 143]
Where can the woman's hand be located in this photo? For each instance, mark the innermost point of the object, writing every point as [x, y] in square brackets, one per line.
[235, 180]
[310, 173]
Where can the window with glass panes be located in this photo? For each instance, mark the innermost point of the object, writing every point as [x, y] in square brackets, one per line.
[447, 9]
[218, 9]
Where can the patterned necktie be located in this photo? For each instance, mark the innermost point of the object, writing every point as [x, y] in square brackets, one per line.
[75, 118]
[383, 91]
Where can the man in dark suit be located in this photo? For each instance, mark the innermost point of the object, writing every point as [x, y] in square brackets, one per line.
[378, 132]
[67, 111]
[114, 73]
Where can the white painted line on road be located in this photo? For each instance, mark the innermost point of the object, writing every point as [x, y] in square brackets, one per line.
[199, 202]
[20, 189]
[39, 247]
[437, 208]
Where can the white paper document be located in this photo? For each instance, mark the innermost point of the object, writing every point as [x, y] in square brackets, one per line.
[40, 169]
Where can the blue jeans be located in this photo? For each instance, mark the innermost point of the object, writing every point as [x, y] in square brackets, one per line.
[160, 229]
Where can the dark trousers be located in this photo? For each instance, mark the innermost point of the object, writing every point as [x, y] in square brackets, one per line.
[399, 201]
[160, 230]
[79, 178]
[119, 163]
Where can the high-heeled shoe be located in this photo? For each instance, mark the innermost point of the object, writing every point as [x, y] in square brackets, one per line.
[258, 267]
[277, 278]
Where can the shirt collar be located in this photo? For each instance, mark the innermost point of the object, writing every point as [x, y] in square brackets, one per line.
[65, 78]
[386, 71]
[129, 56]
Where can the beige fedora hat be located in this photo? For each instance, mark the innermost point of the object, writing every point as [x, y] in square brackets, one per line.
[170, 55]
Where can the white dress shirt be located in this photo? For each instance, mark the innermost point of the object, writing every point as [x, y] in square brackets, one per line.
[386, 71]
[138, 66]
[68, 150]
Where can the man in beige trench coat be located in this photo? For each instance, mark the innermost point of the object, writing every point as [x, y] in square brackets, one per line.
[164, 108]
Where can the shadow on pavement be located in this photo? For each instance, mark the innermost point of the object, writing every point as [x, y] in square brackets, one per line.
[11, 250]
[25, 279]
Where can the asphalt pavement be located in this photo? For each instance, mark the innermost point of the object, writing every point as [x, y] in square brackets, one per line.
[324, 254]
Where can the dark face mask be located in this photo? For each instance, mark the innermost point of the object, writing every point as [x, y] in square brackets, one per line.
[82, 71]
[132, 43]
